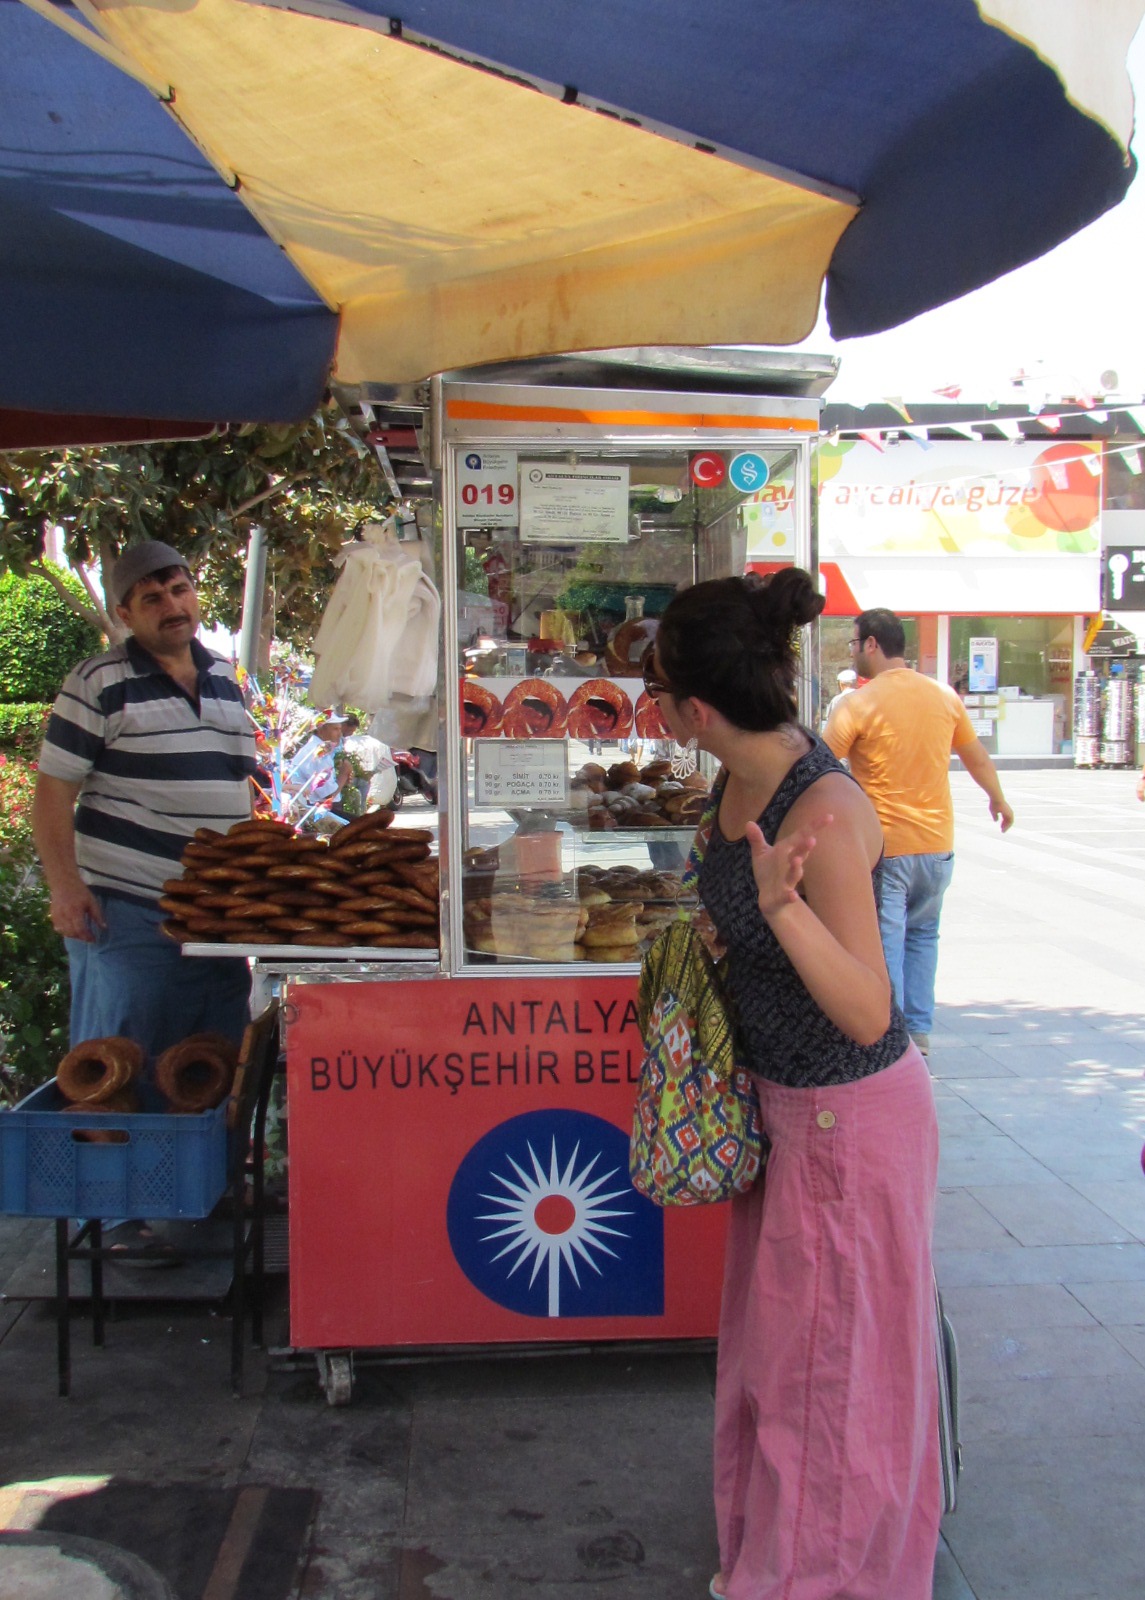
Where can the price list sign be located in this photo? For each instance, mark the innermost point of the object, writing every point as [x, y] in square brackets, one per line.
[521, 772]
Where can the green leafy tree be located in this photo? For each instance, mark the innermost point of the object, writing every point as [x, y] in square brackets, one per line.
[307, 485]
[34, 993]
[42, 636]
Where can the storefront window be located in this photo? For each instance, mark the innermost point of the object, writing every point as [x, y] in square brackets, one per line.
[1034, 664]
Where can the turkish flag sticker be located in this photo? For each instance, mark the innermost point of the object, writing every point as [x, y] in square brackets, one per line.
[707, 469]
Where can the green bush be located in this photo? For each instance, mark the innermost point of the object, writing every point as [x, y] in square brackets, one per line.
[22, 729]
[34, 990]
[41, 638]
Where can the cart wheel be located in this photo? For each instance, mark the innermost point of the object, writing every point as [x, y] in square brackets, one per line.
[336, 1374]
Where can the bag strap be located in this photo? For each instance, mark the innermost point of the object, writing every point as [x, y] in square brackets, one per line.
[691, 873]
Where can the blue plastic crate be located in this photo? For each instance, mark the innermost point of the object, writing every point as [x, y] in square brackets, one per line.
[169, 1166]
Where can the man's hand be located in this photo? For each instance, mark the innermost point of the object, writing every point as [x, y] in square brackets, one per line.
[1001, 812]
[75, 910]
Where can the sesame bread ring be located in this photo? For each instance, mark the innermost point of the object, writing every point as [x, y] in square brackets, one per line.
[196, 1075]
[226, 874]
[249, 911]
[208, 836]
[600, 709]
[194, 853]
[98, 1068]
[480, 711]
[251, 933]
[408, 938]
[122, 1103]
[325, 940]
[177, 931]
[373, 822]
[300, 871]
[368, 927]
[186, 887]
[207, 928]
[649, 722]
[257, 825]
[535, 709]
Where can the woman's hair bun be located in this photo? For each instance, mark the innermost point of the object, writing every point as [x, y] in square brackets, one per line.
[785, 599]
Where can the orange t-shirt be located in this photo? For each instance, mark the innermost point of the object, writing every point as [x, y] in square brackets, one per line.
[897, 732]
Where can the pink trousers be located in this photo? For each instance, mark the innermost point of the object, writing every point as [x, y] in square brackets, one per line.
[827, 1474]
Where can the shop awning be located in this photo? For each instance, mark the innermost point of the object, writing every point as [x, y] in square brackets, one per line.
[282, 191]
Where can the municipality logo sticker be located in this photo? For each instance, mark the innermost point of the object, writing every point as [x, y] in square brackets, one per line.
[543, 1220]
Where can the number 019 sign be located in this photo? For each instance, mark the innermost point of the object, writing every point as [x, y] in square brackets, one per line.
[487, 489]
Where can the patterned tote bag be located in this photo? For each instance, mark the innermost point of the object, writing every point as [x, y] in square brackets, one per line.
[696, 1133]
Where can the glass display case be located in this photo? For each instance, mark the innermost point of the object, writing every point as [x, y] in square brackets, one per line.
[572, 809]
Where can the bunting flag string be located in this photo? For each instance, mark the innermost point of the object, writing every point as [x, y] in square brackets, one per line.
[1011, 428]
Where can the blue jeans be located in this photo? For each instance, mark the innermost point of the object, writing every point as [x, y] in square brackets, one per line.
[133, 980]
[910, 903]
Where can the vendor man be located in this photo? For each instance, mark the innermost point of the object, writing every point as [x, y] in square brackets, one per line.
[146, 743]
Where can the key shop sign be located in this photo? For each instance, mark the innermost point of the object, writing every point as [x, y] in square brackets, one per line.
[1123, 577]
[459, 1170]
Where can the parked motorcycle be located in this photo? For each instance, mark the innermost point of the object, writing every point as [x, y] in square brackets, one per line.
[416, 774]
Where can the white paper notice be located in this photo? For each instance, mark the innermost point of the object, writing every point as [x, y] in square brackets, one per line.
[487, 489]
[563, 504]
[521, 772]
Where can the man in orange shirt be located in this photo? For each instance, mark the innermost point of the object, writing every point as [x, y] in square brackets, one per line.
[897, 732]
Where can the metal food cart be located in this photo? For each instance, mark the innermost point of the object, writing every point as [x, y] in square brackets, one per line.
[459, 1118]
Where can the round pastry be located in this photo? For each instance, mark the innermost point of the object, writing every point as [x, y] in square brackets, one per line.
[611, 925]
[97, 1069]
[196, 1075]
[122, 1103]
[535, 709]
[600, 709]
[208, 836]
[481, 711]
[186, 887]
[622, 772]
[649, 722]
[591, 896]
[610, 952]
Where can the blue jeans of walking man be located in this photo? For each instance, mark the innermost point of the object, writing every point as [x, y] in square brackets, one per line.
[910, 904]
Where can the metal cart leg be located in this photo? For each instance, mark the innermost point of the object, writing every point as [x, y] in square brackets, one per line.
[63, 1310]
[97, 1303]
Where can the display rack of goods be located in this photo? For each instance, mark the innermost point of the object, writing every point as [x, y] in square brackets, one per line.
[626, 796]
[262, 883]
[599, 914]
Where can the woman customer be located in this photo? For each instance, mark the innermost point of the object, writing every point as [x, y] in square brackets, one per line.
[827, 1478]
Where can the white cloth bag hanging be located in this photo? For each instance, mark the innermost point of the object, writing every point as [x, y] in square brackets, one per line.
[379, 632]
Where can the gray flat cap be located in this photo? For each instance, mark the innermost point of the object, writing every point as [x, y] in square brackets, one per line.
[139, 562]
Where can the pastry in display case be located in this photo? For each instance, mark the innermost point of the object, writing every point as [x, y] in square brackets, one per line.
[577, 808]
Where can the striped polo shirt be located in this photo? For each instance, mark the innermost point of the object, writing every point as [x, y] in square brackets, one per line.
[152, 767]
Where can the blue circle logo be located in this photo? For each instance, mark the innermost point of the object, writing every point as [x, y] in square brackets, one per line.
[748, 472]
[473, 461]
[543, 1220]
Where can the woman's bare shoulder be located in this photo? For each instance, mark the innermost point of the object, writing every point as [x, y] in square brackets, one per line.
[839, 796]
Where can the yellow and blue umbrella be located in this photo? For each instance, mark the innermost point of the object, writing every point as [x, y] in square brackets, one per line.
[210, 207]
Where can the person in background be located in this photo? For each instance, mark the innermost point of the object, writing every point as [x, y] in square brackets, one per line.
[897, 733]
[320, 769]
[827, 1474]
[847, 680]
[145, 743]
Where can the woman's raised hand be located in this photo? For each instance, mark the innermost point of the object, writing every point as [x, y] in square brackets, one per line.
[778, 868]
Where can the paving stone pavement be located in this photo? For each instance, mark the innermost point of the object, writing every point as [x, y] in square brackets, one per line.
[494, 1478]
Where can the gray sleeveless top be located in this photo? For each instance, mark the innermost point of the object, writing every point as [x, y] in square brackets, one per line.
[784, 1035]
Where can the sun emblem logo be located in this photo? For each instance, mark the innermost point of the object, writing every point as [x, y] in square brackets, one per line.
[542, 1219]
[556, 1217]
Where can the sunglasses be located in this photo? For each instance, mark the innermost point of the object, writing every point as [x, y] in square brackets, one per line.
[655, 686]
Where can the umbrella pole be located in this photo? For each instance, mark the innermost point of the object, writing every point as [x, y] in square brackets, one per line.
[253, 595]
